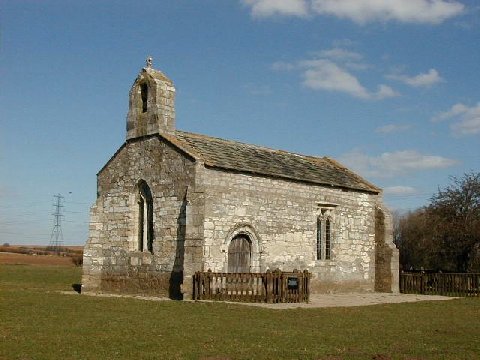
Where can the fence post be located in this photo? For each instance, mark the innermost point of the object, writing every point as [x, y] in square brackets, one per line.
[194, 279]
[198, 285]
[280, 286]
[268, 286]
[306, 286]
[208, 287]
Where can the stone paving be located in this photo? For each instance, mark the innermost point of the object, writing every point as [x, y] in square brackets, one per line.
[318, 300]
[353, 299]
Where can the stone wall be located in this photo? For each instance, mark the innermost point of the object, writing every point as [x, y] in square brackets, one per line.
[386, 254]
[158, 114]
[198, 210]
[112, 261]
[280, 217]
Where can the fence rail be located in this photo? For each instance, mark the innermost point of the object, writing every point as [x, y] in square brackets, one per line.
[272, 286]
[447, 284]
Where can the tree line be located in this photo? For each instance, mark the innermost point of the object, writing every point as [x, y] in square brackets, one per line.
[445, 234]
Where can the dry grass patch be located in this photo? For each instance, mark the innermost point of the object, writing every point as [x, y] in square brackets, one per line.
[41, 255]
[27, 259]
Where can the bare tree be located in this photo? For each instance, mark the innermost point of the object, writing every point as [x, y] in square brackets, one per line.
[455, 212]
[445, 235]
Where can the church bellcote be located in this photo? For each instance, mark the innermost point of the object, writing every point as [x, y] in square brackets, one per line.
[151, 104]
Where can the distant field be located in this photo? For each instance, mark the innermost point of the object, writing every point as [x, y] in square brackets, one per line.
[42, 318]
[33, 248]
[15, 258]
[40, 255]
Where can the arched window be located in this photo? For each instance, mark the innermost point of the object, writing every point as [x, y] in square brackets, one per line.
[324, 236]
[239, 254]
[328, 239]
[145, 217]
[319, 238]
[144, 95]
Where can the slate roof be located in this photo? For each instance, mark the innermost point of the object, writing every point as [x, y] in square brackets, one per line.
[239, 157]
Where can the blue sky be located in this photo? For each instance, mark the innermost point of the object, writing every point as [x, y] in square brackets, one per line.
[389, 88]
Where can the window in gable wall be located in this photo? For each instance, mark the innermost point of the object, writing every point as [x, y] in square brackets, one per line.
[145, 217]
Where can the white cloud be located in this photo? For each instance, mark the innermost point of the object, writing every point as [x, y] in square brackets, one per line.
[340, 54]
[410, 11]
[392, 128]
[455, 110]
[466, 119]
[352, 65]
[362, 11]
[469, 125]
[265, 8]
[282, 66]
[384, 92]
[348, 59]
[399, 190]
[421, 80]
[324, 74]
[330, 72]
[391, 164]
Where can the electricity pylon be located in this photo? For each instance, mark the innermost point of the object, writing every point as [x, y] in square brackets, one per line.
[56, 239]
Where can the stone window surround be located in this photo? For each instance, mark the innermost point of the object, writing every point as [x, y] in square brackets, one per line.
[248, 230]
[147, 221]
[325, 211]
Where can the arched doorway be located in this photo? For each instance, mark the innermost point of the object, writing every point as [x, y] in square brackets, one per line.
[239, 254]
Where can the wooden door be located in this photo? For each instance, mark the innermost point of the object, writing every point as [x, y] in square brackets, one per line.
[239, 254]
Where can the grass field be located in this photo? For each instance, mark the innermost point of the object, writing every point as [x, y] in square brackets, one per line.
[38, 321]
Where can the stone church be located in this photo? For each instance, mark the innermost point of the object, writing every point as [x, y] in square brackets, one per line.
[170, 203]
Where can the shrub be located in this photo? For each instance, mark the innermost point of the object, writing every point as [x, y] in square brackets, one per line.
[77, 260]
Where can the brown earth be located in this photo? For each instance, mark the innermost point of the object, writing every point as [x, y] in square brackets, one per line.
[14, 258]
[33, 248]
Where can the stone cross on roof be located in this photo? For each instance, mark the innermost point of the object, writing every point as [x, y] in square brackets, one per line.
[149, 62]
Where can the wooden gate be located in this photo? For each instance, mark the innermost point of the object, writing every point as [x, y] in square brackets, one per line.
[271, 287]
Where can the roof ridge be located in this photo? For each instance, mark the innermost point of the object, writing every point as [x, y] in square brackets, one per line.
[250, 144]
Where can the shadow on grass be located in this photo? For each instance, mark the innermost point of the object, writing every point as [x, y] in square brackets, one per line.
[77, 288]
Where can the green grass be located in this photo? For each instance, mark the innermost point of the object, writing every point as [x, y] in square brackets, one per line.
[37, 321]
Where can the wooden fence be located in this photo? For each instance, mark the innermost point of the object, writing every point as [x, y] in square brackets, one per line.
[448, 284]
[271, 287]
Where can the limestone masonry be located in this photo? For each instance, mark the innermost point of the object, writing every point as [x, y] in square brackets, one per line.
[170, 203]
